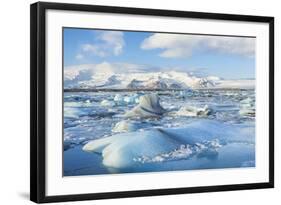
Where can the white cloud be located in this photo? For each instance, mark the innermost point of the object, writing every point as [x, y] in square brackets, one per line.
[106, 43]
[79, 56]
[179, 45]
[118, 67]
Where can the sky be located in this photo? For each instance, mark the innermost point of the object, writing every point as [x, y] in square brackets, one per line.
[206, 55]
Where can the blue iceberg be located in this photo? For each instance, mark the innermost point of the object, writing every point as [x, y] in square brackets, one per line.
[202, 138]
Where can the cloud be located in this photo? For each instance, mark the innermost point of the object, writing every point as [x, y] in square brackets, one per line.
[106, 43]
[79, 56]
[181, 46]
[118, 67]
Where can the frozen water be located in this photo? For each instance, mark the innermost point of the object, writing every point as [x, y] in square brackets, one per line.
[121, 150]
[247, 107]
[194, 111]
[85, 120]
[125, 126]
[107, 103]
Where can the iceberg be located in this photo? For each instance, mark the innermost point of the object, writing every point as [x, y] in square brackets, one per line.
[75, 112]
[107, 103]
[247, 107]
[128, 149]
[118, 99]
[194, 111]
[125, 126]
[185, 93]
[131, 99]
[128, 99]
[149, 106]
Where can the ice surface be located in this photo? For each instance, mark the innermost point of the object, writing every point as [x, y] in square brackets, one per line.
[123, 150]
[86, 120]
[125, 126]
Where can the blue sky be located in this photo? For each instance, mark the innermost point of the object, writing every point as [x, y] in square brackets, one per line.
[226, 57]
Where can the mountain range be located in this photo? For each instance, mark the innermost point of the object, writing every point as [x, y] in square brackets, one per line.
[109, 77]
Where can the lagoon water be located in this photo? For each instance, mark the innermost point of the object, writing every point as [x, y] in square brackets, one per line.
[97, 115]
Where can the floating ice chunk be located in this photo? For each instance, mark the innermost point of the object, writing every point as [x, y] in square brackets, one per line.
[125, 126]
[118, 98]
[107, 103]
[74, 112]
[72, 104]
[185, 93]
[137, 100]
[194, 111]
[247, 107]
[148, 106]
[123, 150]
[129, 99]
[78, 104]
[248, 101]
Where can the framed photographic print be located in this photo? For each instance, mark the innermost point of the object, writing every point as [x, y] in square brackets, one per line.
[129, 102]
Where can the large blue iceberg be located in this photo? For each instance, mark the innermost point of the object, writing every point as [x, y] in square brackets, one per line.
[202, 137]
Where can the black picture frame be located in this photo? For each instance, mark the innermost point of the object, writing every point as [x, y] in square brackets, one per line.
[38, 101]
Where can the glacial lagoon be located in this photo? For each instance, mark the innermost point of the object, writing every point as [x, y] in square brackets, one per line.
[117, 132]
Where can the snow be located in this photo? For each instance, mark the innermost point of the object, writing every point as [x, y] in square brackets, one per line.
[93, 76]
[158, 144]
[130, 76]
[237, 83]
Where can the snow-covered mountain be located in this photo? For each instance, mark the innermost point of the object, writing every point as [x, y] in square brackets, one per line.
[106, 76]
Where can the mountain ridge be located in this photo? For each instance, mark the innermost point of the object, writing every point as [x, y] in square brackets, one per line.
[93, 77]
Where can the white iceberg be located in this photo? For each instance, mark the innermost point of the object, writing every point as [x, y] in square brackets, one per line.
[192, 111]
[118, 99]
[185, 93]
[128, 149]
[247, 107]
[130, 99]
[107, 103]
[149, 106]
